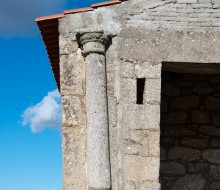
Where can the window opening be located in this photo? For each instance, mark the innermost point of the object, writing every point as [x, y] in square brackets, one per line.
[140, 90]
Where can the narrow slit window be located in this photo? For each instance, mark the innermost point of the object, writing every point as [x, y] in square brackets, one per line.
[140, 90]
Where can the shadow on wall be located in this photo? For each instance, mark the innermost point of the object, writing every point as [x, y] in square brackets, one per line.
[190, 131]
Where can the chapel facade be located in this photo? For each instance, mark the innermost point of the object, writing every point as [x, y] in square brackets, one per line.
[140, 89]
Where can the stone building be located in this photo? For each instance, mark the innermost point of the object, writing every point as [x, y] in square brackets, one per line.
[140, 88]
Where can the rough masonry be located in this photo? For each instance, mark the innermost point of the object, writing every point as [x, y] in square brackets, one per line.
[112, 142]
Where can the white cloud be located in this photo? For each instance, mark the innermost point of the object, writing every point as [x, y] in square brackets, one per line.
[17, 17]
[45, 114]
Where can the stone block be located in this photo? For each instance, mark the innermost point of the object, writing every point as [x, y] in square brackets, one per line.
[143, 116]
[153, 143]
[215, 172]
[151, 185]
[185, 102]
[195, 142]
[212, 103]
[72, 74]
[202, 88]
[128, 91]
[183, 153]
[163, 153]
[172, 168]
[67, 45]
[177, 131]
[216, 142]
[139, 168]
[200, 117]
[127, 70]
[212, 155]
[74, 158]
[216, 120]
[174, 118]
[198, 167]
[170, 89]
[192, 182]
[148, 70]
[214, 185]
[209, 130]
[187, 1]
[204, 1]
[152, 91]
[73, 111]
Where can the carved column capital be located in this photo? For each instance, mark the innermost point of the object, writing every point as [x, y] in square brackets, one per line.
[93, 42]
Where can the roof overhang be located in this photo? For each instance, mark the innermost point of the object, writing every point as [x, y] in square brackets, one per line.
[48, 26]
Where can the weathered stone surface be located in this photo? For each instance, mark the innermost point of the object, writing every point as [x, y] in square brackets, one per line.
[152, 91]
[209, 130]
[74, 157]
[212, 103]
[216, 119]
[128, 87]
[139, 168]
[197, 167]
[202, 88]
[172, 168]
[195, 142]
[151, 32]
[185, 102]
[192, 182]
[151, 185]
[178, 131]
[174, 118]
[72, 74]
[215, 172]
[214, 186]
[183, 153]
[164, 105]
[153, 138]
[143, 116]
[216, 142]
[98, 168]
[167, 141]
[162, 153]
[170, 89]
[212, 155]
[200, 117]
[127, 70]
[148, 70]
[67, 45]
[73, 111]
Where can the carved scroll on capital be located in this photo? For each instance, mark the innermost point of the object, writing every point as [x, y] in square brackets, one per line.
[94, 46]
[93, 42]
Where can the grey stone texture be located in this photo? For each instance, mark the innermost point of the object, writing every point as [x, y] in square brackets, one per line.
[98, 156]
[148, 36]
[190, 155]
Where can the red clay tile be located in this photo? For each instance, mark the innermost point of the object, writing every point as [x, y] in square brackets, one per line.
[48, 26]
[105, 3]
[49, 17]
[78, 10]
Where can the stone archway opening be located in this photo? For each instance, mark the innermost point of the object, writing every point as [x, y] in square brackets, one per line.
[190, 127]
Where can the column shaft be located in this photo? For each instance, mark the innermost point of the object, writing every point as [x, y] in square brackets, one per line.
[98, 159]
[97, 122]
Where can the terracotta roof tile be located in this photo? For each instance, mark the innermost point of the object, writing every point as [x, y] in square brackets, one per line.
[48, 26]
[78, 10]
[105, 3]
[57, 16]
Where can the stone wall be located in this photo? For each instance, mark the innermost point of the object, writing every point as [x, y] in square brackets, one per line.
[190, 131]
[178, 14]
[145, 34]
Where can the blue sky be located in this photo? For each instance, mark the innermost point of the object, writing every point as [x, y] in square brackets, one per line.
[30, 141]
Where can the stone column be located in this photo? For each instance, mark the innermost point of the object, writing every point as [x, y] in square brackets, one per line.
[98, 159]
